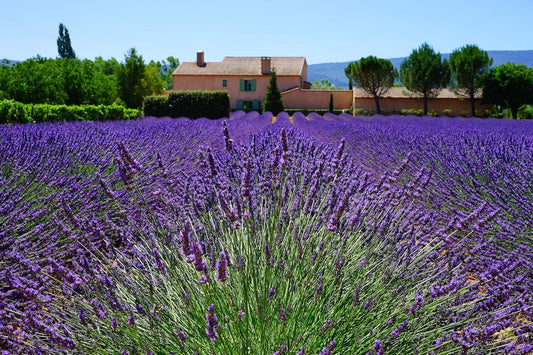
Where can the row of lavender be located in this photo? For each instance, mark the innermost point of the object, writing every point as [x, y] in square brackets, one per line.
[170, 236]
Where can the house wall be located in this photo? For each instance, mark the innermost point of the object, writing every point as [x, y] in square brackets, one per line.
[214, 82]
[316, 99]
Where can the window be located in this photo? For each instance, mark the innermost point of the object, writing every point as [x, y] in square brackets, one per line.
[248, 105]
[224, 83]
[247, 84]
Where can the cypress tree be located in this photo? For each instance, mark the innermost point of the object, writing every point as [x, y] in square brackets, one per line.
[273, 102]
[64, 47]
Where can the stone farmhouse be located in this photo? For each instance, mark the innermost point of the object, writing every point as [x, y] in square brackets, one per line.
[246, 80]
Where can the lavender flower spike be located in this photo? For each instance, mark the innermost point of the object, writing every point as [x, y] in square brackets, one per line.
[212, 323]
[222, 267]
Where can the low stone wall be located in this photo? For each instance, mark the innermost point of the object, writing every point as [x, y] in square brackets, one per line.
[343, 100]
[457, 106]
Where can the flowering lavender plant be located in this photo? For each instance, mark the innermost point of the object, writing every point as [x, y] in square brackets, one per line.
[242, 236]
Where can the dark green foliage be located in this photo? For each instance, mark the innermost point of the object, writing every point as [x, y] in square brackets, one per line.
[156, 106]
[191, 104]
[60, 81]
[273, 102]
[16, 112]
[468, 66]
[374, 75]
[509, 86]
[64, 47]
[130, 77]
[425, 73]
[324, 84]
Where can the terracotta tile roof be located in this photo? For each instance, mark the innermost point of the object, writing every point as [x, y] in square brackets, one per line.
[401, 92]
[243, 66]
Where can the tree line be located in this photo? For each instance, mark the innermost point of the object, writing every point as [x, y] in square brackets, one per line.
[467, 72]
[67, 80]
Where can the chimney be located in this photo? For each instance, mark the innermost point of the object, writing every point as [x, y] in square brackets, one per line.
[265, 65]
[200, 59]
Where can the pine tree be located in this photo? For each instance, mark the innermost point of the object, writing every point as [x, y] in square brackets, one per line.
[64, 47]
[273, 102]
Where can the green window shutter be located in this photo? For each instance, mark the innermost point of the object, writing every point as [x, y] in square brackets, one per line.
[239, 103]
[253, 84]
[256, 105]
[242, 84]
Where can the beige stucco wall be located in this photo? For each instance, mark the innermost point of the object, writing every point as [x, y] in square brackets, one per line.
[214, 82]
[316, 99]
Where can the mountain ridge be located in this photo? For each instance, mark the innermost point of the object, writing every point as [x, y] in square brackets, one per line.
[334, 71]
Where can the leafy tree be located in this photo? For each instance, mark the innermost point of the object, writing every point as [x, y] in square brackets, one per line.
[374, 75]
[166, 69]
[136, 80]
[468, 65]
[273, 102]
[37, 80]
[324, 84]
[509, 85]
[64, 47]
[425, 73]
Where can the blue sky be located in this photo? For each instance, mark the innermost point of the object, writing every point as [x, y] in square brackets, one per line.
[322, 31]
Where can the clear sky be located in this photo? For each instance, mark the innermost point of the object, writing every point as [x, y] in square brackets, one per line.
[320, 30]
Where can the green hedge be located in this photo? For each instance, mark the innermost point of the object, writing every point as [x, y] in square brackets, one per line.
[191, 104]
[16, 112]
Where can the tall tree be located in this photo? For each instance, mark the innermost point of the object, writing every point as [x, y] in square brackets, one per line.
[64, 47]
[425, 73]
[273, 102]
[468, 65]
[509, 85]
[374, 75]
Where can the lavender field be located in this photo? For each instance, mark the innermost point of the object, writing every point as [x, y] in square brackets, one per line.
[256, 234]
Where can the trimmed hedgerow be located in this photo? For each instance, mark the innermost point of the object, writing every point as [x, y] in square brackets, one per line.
[191, 104]
[16, 112]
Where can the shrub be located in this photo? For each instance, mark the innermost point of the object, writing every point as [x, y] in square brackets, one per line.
[16, 112]
[411, 111]
[447, 112]
[155, 106]
[196, 104]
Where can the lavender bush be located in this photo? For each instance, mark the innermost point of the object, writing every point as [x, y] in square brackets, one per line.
[332, 235]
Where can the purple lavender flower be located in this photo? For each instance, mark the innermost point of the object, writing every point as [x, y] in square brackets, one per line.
[221, 267]
[131, 320]
[271, 293]
[328, 350]
[199, 264]
[114, 324]
[378, 347]
[212, 323]
[180, 334]
[185, 239]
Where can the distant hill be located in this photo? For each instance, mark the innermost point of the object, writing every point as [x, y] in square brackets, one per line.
[334, 72]
[8, 62]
